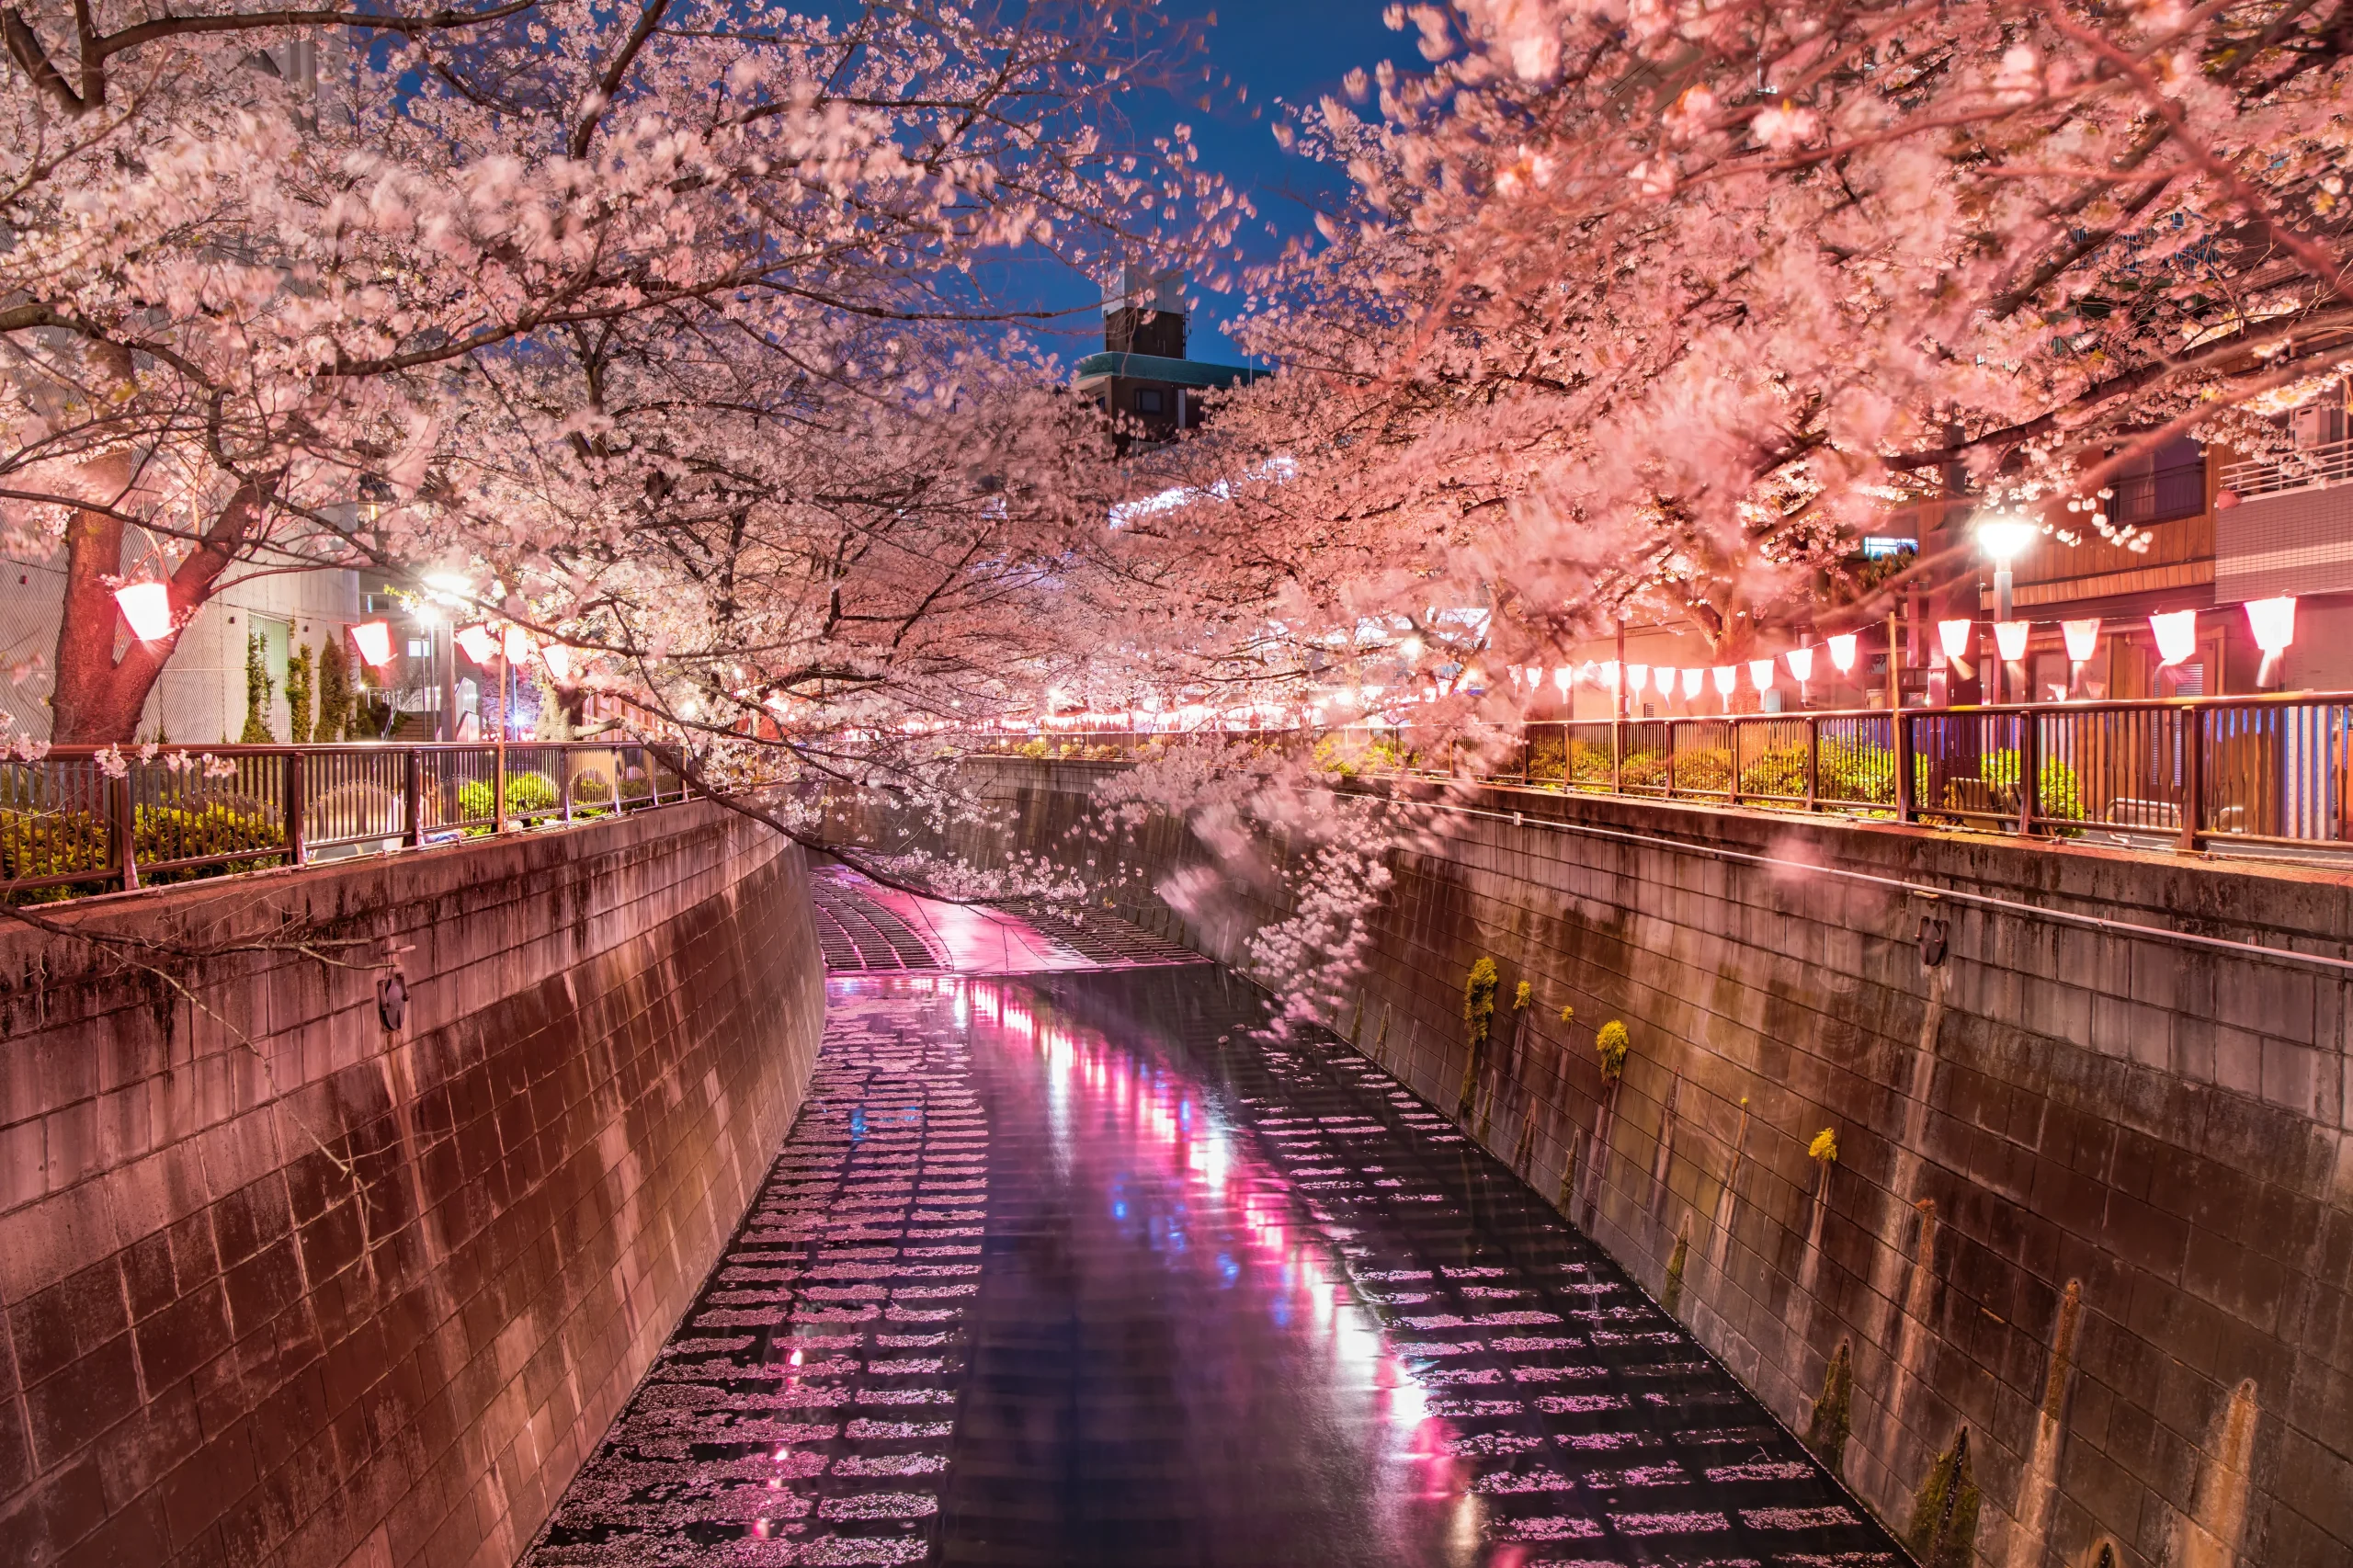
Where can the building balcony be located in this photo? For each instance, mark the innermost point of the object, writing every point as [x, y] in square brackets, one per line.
[2285, 525]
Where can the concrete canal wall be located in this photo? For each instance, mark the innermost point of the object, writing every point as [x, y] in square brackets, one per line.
[282, 1285]
[2077, 1279]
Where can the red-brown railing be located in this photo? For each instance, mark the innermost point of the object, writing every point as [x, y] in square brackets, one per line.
[2263, 771]
[87, 818]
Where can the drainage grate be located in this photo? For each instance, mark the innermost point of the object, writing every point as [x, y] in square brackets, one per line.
[856, 933]
[1106, 938]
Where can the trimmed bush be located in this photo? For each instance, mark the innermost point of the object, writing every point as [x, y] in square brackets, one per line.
[57, 844]
[527, 793]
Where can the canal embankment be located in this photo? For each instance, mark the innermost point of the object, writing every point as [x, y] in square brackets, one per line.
[2015, 1175]
[304, 1264]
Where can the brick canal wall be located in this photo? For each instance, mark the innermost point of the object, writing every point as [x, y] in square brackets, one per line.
[282, 1286]
[2087, 1240]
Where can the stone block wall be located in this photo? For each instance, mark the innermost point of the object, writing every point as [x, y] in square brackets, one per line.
[2077, 1279]
[282, 1286]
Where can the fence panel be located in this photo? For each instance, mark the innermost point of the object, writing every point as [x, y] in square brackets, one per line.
[1855, 762]
[354, 795]
[2117, 773]
[1700, 762]
[1770, 756]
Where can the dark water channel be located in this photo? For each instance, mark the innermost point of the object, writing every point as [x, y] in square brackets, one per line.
[1068, 1270]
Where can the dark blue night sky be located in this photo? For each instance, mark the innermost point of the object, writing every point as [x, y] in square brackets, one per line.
[1292, 50]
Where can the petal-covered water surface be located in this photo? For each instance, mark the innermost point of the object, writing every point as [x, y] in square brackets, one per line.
[1075, 1270]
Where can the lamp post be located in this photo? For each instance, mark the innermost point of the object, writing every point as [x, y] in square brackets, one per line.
[2004, 539]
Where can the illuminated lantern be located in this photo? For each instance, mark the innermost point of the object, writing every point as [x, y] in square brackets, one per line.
[374, 640]
[1726, 678]
[2274, 624]
[2010, 637]
[1610, 673]
[2273, 621]
[559, 658]
[1638, 678]
[1954, 636]
[1800, 664]
[2176, 635]
[1760, 673]
[519, 644]
[2083, 639]
[147, 607]
[1842, 652]
[478, 644]
[1561, 677]
[1691, 679]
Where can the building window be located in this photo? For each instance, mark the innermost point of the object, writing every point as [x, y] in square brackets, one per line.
[1148, 401]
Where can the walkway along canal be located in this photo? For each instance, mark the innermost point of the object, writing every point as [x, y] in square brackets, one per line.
[1071, 1266]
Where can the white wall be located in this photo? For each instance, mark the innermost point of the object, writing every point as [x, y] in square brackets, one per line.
[200, 697]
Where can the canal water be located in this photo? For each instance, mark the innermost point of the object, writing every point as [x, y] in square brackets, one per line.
[1075, 1269]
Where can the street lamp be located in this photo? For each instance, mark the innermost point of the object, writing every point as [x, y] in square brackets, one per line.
[2003, 539]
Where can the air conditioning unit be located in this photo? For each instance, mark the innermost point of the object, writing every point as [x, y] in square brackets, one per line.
[2320, 423]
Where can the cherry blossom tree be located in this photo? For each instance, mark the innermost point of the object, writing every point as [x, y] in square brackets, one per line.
[1647, 309]
[533, 286]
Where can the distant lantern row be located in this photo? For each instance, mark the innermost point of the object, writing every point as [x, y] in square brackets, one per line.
[2272, 622]
[147, 609]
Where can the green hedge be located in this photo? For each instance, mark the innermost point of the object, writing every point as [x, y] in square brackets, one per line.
[57, 844]
[526, 793]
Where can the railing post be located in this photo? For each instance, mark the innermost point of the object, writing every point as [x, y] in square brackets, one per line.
[298, 847]
[123, 825]
[1812, 758]
[1617, 758]
[498, 781]
[1906, 808]
[563, 771]
[413, 799]
[2193, 782]
[2030, 773]
[1731, 746]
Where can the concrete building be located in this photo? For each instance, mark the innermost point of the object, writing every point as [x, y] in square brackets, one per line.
[1142, 374]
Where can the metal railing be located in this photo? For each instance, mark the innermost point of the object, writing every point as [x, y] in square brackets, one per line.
[2267, 772]
[87, 818]
[2306, 468]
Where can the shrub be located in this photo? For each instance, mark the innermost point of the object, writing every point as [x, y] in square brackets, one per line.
[1610, 1043]
[1345, 759]
[1702, 768]
[57, 843]
[590, 788]
[185, 831]
[527, 793]
[2059, 795]
[1779, 770]
[1864, 772]
[258, 687]
[1479, 1002]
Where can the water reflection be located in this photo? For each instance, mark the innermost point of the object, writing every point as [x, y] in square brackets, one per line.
[1071, 1272]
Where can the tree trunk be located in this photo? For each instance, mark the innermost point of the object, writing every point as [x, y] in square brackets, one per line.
[98, 695]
